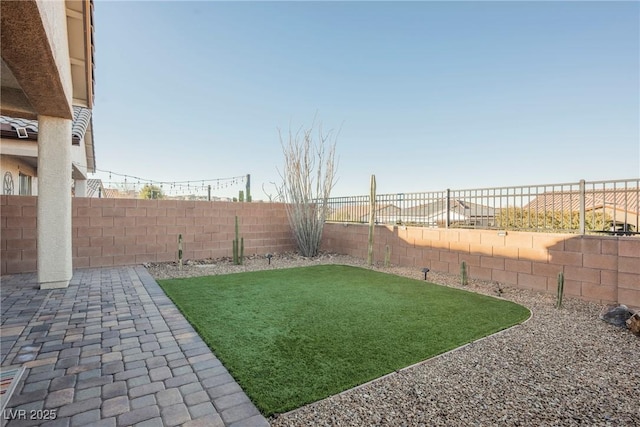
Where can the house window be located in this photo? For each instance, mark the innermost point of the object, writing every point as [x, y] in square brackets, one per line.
[25, 185]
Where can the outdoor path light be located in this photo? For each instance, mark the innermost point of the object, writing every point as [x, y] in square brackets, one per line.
[269, 256]
[425, 271]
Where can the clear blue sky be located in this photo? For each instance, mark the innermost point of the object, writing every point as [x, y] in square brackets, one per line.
[428, 95]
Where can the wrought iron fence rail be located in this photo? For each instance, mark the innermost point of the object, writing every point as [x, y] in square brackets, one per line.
[580, 207]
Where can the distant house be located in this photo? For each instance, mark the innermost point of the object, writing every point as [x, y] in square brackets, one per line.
[19, 153]
[95, 189]
[386, 213]
[114, 193]
[460, 213]
[432, 214]
[620, 206]
[111, 193]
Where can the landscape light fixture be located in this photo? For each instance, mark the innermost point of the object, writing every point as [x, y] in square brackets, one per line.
[425, 271]
[269, 256]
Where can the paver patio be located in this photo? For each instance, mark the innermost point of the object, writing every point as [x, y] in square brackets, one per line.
[112, 350]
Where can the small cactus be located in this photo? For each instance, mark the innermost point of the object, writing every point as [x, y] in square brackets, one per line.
[180, 250]
[238, 247]
[464, 280]
[387, 256]
[560, 290]
[248, 188]
[235, 251]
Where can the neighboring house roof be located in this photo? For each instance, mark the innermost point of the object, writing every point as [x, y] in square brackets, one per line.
[463, 208]
[625, 199]
[80, 124]
[110, 193]
[114, 193]
[360, 212]
[459, 210]
[81, 127]
[95, 188]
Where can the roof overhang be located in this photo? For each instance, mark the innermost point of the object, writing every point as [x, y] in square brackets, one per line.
[35, 67]
[81, 50]
[32, 81]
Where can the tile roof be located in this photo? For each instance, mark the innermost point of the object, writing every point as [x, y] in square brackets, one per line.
[463, 208]
[81, 122]
[360, 212]
[95, 188]
[618, 199]
[114, 193]
[459, 208]
[111, 193]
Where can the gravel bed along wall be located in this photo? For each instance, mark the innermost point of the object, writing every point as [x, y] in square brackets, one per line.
[561, 367]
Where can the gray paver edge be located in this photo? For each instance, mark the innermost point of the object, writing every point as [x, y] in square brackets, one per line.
[155, 292]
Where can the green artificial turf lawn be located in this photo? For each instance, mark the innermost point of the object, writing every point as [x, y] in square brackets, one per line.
[294, 336]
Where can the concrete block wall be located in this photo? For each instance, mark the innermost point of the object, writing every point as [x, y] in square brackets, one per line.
[604, 268]
[108, 232]
[18, 234]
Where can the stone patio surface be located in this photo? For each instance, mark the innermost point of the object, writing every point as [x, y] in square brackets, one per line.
[112, 350]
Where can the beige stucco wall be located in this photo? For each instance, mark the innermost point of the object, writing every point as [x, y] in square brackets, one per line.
[79, 160]
[17, 166]
[19, 147]
[28, 148]
[55, 266]
[54, 20]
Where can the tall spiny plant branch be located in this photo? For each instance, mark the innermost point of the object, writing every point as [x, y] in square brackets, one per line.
[308, 178]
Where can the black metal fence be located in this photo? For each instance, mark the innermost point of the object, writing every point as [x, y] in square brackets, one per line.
[610, 207]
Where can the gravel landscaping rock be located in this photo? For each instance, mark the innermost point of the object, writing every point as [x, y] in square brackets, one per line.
[561, 367]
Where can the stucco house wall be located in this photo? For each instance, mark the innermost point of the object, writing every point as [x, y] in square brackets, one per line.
[16, 166]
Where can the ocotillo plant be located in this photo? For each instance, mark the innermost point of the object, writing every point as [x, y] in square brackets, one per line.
[560, 290]
[238, 247]
[464, 280]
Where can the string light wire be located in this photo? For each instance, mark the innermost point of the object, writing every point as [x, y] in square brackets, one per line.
[189, 185]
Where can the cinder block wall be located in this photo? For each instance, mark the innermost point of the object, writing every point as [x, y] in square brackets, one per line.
[18, 252]
[109, 232]
[596, 268]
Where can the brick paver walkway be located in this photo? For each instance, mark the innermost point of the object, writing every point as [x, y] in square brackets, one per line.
[112, 350]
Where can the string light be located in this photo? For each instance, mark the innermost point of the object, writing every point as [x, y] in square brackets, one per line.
[200, 186]
[234, 179]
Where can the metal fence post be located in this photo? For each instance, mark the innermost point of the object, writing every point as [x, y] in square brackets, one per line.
[448, 207]
[582, 206]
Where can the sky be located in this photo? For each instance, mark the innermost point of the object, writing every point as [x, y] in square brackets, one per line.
[425, 95]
